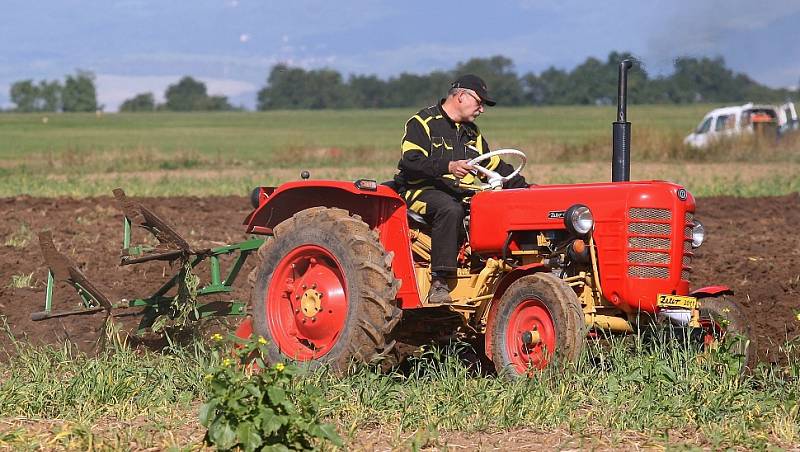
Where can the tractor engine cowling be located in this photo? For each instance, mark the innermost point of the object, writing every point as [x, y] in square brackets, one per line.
[642, 232]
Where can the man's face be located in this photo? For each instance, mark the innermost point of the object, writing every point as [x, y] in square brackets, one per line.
[470, 105]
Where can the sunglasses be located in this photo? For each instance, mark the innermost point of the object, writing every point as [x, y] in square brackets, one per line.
[477, 99]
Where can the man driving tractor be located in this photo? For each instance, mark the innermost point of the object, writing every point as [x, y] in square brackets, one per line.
[439, 142]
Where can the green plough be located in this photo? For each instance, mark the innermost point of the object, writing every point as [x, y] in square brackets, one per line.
[182, 297]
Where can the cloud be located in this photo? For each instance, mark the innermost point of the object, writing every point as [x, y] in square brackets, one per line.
[787, 77]
[112, 90]
[260, 62]
[706, 27]
[424, 58]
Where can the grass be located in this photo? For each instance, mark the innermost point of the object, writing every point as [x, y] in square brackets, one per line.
[655, 394]
[20, 238]
[22, 281]
[229, 153]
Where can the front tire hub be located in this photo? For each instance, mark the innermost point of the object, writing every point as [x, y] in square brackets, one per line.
[531, 338]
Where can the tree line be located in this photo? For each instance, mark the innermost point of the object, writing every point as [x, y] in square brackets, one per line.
[590, 83]
[76, 94]
[186, 95]
[79, 94]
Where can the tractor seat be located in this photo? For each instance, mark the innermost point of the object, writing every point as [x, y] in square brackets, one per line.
[413, 216]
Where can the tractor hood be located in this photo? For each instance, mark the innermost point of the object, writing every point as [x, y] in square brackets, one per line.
[630, 220]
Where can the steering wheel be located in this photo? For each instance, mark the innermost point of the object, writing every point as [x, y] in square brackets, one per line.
[494, 180]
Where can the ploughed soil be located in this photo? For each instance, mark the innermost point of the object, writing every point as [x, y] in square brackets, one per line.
[751, 246]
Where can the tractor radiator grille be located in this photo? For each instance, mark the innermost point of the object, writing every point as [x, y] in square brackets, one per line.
[648, 242]
[650, 214]
[648, 257]
[650, 228]
[648, 272]
[649, 222]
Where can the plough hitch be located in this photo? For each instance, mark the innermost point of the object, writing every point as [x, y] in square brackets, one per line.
[184, 288]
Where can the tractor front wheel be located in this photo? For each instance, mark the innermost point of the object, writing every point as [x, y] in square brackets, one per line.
[538, 321]
[324, 292]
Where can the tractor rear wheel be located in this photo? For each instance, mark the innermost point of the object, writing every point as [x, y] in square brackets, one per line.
[324, 292]
[539, 321]
[723, 323]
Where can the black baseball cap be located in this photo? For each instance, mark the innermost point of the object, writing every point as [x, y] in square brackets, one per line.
[475, 83]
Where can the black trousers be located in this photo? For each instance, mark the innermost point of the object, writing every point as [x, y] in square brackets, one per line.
[445, 213]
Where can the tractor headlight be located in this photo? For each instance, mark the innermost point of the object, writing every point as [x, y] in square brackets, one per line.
[698, 234]
[578, 220]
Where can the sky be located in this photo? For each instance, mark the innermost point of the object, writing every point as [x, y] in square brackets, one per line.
[136, 46]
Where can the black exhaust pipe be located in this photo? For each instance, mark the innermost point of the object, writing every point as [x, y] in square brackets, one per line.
[621, 157]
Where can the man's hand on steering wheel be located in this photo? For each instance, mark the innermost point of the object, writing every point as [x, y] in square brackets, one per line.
[495, 180]
[460, 168]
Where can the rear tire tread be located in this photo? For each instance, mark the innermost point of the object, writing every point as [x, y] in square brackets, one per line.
[377, 313]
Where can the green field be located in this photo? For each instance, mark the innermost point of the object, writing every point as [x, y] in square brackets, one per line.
[628, 395]
[229, 153]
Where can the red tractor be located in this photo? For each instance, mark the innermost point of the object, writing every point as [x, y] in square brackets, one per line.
[345, 268]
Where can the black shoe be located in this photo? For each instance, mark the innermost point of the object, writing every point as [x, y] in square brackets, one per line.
[439, 292]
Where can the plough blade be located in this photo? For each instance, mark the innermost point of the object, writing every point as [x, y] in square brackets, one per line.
[63, 269]
[171, 245]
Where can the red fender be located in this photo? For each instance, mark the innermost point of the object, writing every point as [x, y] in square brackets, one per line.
[711, 291]
[498, 293]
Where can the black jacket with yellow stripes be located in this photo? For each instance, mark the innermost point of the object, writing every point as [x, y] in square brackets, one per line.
[431, 141]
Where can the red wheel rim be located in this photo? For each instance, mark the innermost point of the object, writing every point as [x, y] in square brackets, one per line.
[306, 305]
[530, 316]
[712, 331]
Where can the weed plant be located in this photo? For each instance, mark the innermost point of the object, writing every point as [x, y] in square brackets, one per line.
[254, 406]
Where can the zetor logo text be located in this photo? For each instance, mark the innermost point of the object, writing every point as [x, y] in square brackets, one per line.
[556, 214]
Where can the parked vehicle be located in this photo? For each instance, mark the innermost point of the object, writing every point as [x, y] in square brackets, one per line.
[787, 118]
[729, 122]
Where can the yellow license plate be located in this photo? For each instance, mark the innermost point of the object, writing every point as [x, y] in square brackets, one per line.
[676, 301]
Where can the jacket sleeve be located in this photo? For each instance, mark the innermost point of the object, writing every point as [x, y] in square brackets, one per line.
[504, 169]
[416, 162]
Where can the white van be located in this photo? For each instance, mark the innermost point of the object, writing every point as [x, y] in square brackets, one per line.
[732, 121]
[787, 118]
